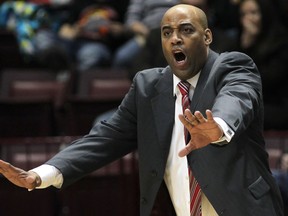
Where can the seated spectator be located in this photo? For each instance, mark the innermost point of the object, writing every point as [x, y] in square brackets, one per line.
[30, 22]
[142, 16]
[82, 35]
[91, 40]
[264, 39]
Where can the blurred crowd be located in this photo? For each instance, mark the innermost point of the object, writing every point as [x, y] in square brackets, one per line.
[92, 34]
[125, 34]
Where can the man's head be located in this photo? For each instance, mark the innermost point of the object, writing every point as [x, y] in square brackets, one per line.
[185, 39]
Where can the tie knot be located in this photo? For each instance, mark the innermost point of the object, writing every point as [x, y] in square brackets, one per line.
[184, 87]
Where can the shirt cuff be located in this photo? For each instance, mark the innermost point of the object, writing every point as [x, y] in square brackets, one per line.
[228, 132]
[50, 176]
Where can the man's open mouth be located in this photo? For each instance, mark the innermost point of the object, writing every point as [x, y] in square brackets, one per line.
[179, 56]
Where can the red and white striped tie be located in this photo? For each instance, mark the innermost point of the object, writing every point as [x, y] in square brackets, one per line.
[195, 190]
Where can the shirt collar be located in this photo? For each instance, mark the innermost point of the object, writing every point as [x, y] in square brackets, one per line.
[193, 81]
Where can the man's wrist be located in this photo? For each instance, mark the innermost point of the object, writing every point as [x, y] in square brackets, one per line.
[48, 175]
[227, 132]
[37, 178]
[222, 133]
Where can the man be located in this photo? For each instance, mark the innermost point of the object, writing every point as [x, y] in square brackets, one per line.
[225, 150]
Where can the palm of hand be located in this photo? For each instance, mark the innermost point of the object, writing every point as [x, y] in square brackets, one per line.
[203, 134]
[202, 130]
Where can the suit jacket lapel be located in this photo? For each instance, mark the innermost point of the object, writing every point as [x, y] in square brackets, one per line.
[163, 106]
[203, 79]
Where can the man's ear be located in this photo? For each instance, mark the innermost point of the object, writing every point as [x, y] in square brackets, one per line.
[208, 36]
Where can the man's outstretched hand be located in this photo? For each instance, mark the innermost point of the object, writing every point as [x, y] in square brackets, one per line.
[203, 130]
[19, 177]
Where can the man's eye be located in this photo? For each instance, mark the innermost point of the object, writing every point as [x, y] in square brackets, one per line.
[187, 30]
[166, 33]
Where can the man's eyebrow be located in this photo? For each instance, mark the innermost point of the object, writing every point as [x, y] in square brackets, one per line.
[165, 27]
[179, 26]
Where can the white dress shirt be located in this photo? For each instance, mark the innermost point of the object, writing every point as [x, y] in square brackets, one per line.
[176, 172]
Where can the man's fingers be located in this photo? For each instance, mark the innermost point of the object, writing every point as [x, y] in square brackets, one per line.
[193, 119]
[209, 115]
[183, 152]
[188, 115]
[200, 118]
[186, 150]
[4, 166]
[185, 120]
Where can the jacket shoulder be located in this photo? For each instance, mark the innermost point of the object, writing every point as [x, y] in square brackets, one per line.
[151, 74]
[234, 56]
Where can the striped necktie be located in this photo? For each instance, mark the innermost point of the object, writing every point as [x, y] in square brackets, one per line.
[195, 191]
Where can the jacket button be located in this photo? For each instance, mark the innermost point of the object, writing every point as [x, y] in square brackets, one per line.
[143, 200]
[153, 173]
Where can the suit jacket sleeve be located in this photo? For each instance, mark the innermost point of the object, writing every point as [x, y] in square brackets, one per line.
[235, 177]
[106, 142]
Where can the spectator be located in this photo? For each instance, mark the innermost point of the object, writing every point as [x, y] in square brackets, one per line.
[264, 39]
[29, 21]
[79, 33]
[93, 37]
[142, 16]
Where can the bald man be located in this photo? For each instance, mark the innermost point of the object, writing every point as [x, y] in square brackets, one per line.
[225, 150]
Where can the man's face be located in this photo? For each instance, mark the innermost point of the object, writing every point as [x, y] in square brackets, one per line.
[184, 42]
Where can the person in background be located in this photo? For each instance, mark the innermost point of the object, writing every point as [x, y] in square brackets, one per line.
[93, 36]
[265, 40]
[29, 22]
[142, 16]
[217, 136]
[79, 35]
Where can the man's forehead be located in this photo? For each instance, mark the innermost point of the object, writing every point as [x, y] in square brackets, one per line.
[176, 17]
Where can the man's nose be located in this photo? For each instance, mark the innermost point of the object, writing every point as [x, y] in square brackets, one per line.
[176, 38]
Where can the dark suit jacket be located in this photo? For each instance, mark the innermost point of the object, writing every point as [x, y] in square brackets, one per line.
[235, 177]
